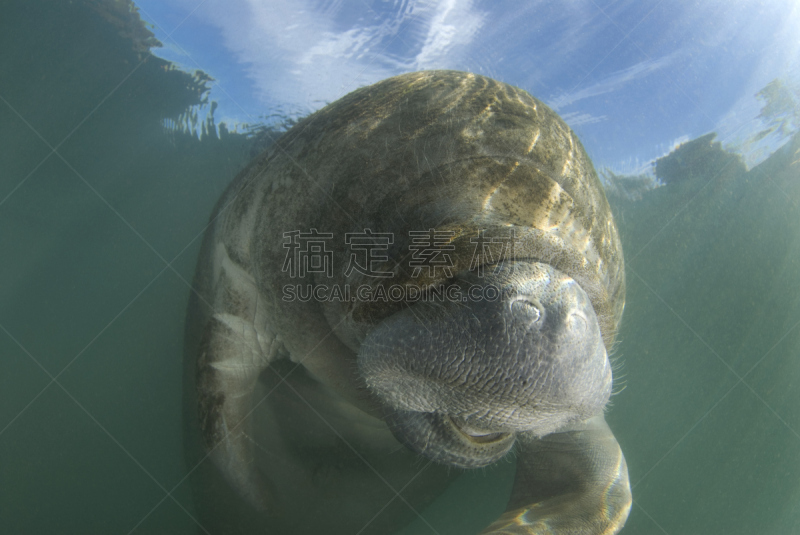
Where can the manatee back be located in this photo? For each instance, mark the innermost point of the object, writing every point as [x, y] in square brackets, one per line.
[448, 150]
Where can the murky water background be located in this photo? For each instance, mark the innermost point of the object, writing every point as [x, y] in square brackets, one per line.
[101, 211]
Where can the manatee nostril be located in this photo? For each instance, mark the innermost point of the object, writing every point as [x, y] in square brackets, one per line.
[577, 322]
[527, 307]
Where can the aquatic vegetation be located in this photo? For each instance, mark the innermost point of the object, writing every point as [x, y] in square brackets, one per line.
[781, 110]
[777, 121]
[699, 158]
[630, 187]
[123, 16]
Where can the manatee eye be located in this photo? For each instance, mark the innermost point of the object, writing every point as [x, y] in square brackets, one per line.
[577, 322]
[527, 307]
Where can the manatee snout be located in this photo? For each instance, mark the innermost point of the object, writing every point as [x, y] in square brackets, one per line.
[460, 377]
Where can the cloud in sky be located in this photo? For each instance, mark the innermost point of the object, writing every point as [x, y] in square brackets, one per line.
[450, 24]
[289, 57]
[301, 55]
[576, 118]
[613, 82]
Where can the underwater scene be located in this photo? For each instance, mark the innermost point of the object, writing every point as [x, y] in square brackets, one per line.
[359, 266]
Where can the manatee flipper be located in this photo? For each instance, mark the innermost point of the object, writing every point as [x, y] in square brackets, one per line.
[235, 348]
[570, 482]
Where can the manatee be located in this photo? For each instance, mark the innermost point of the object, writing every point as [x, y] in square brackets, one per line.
[411, 282]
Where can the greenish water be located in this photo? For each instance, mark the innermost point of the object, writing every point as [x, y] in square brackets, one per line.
[101, 210]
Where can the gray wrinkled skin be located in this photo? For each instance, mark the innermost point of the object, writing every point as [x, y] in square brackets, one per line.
[307, 416]
[462, 377]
